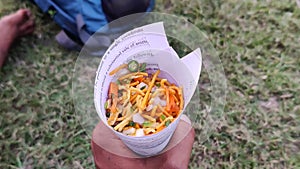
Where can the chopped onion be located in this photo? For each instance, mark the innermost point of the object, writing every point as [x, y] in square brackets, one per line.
[156, 100]
[153, 88]
[137, 118]
[159, 101]
[163, 103]
[149, 107]
[142, 85]
[139, 132]
[129, 131]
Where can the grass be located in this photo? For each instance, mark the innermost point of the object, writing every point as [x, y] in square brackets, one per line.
[258, 44]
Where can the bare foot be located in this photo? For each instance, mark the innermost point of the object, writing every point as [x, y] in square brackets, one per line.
[13, 26]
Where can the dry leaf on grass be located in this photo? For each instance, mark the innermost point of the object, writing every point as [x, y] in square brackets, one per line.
[271, 104]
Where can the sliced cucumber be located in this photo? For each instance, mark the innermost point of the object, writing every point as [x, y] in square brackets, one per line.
[133, 66]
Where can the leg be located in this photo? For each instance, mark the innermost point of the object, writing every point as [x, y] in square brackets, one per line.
[13, 26]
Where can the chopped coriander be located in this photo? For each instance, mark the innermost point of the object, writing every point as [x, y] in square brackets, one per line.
[163, 117]
[143, 67]
[167, 123]
[131, 123]
[147, 124]
[106, 104]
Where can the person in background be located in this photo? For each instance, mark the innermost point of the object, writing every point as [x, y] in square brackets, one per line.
[12, 27]
[124, 8]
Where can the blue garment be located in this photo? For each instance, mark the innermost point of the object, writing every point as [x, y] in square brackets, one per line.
[78, 18]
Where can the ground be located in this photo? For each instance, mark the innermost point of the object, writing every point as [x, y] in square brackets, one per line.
[258, 45]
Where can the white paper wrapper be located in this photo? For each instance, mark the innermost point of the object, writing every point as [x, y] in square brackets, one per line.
[148, 44]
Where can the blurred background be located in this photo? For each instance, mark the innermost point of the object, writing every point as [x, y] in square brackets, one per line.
[258, 45]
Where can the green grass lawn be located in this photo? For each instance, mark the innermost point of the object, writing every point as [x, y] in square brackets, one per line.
[258, 44]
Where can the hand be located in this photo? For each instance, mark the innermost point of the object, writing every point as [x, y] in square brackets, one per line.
[111, 153]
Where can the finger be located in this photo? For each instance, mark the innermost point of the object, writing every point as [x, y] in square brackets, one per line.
[21, 16]
[29, 30]
[27, 25]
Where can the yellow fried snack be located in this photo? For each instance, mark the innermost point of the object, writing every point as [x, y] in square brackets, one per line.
[140, 103]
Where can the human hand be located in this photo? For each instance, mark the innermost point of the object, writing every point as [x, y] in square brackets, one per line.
[112, 153]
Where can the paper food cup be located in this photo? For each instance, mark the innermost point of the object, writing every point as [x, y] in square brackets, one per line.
[150, 145]
[147, 44]
[171, 67]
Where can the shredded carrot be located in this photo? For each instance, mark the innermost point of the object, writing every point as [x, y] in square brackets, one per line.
[138, 79]
[174, 108]
[134, 83]
[176, 99]
[137, 126]
[164, 111]
[113, 88]
[181, 98]
[171, 101]
[172, 91]
[180, 94]
[113, 91]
